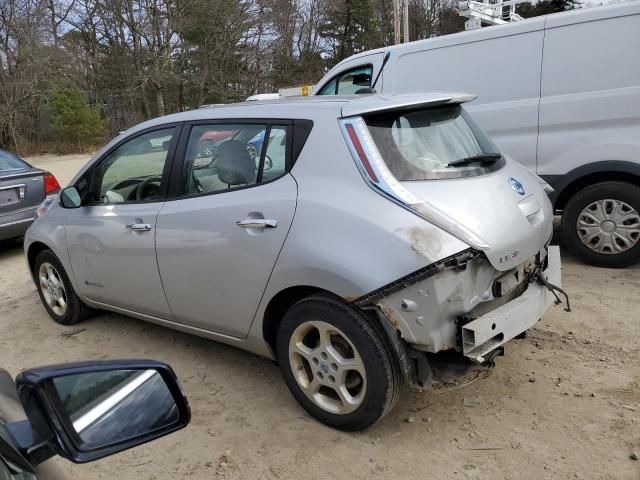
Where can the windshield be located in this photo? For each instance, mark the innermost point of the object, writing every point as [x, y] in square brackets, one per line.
[426, 144]
[8, 162]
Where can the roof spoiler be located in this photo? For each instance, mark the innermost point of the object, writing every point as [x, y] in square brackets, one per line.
[399, 102]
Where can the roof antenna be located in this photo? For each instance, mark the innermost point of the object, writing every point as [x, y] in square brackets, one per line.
[372, 89]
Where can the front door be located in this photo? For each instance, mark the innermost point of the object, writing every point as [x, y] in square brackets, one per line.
[218, 241]
[111, 240]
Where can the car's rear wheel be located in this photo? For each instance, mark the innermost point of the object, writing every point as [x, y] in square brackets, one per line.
[336, 364]
[601, 224]
[55, 290]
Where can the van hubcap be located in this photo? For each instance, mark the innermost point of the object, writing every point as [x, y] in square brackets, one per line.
[609, 226]
[327, 367]
[52, 288]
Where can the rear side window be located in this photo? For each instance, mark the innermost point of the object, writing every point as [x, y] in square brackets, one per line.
[222, 157]
[8, 163]
[349, 82]
[421, 145]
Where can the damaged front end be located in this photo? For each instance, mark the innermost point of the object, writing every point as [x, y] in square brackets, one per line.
[458, 313]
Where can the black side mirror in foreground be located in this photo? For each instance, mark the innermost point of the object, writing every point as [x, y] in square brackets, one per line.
[86, 411]
[70, 198]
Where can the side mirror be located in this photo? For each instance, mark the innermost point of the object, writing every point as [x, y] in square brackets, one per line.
[70, 198]
[86, 411]
[362, 79]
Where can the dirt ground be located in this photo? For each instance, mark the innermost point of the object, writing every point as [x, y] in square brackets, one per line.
[563, 403]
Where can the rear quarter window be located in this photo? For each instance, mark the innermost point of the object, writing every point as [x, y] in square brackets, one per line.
[10, 163]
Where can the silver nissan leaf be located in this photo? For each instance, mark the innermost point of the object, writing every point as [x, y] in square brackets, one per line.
[363, 242]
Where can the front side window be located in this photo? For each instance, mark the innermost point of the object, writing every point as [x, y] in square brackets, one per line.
[349, 82]
[433, 143]
[133, 172]
[222, 157]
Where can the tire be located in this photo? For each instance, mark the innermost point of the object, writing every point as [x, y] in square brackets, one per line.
[617, 248]
[373, 389]
[206, 148]
[74, 310]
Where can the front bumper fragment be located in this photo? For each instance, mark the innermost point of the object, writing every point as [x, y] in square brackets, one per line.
[485, 334]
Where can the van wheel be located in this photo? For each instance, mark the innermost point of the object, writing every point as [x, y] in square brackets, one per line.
[55, 290]
[601, 224]
[336, 365]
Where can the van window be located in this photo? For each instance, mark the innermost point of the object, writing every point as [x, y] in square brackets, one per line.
[349, 82]
[420, 145]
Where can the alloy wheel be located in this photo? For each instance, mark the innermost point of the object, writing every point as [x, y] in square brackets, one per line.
[327, 367]
[52, 288]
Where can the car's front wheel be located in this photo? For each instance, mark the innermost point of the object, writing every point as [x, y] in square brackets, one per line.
[337, 366]
[601, 224]
[55, 290]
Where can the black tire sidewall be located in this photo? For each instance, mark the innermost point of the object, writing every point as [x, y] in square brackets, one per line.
[376, 359]
[622, 191]
[73, 313]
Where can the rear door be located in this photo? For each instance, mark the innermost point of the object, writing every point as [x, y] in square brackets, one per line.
[218, 240]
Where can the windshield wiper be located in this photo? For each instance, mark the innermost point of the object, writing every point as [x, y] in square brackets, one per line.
[484, 158]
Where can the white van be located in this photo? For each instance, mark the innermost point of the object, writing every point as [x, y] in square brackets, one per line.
[559, 93]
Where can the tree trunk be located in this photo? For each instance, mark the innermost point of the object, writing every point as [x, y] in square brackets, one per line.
[159, 100]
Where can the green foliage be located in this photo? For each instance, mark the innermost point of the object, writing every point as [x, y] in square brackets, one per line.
[350, 26]
[74, 119]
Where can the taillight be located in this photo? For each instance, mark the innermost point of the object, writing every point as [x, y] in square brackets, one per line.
[51, 185]
[378, 176]
[371, 164]
[360, 151]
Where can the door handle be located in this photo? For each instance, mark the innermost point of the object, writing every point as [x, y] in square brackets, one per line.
[257, 223]
[139, 227]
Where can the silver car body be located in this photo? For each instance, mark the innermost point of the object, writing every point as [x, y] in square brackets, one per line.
[198, 272]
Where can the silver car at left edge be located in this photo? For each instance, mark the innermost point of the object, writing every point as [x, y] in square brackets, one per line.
[364, 242]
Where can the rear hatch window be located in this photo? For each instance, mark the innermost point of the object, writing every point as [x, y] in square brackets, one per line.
[432, 144]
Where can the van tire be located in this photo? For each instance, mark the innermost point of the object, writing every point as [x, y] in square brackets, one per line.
[76, 311]
[384, 380]
[619, 191]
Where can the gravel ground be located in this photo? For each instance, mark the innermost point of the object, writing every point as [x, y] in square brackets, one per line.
[563, 403]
